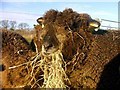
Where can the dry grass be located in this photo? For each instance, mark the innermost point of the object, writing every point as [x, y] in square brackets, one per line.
[53, 68]
[27, 34]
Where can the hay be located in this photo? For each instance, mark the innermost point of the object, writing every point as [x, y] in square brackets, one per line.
[53, 68]
[54, 71]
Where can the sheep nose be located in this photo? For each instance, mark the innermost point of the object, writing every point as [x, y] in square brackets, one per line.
[48, 46]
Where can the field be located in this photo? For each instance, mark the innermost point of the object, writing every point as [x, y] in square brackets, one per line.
[27, 34]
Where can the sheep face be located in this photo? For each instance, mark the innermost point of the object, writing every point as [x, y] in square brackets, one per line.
[52, 38]
[60, 30]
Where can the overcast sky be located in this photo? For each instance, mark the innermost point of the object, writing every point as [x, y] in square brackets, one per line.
[29, 11]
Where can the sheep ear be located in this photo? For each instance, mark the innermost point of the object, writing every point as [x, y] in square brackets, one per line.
[40, 20]
[94, 24]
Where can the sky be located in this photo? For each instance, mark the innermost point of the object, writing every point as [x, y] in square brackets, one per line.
[28, 11]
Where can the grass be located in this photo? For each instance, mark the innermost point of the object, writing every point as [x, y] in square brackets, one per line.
[27, 34]
[53, 68]
[54, 71]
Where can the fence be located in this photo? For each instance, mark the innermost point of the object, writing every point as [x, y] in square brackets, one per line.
[114, 26]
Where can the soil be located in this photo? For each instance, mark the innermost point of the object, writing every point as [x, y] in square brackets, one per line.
[95, 66]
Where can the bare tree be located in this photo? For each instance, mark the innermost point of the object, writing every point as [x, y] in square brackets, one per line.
[5, 24]
[12, 25]
[23, 26]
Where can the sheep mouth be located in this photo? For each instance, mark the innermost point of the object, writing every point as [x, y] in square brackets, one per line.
[49, 50]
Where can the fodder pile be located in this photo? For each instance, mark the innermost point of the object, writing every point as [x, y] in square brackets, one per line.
[53, 68]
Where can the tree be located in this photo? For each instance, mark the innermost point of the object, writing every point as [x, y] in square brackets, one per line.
[5, 24]
[23, 26]
[12, 25]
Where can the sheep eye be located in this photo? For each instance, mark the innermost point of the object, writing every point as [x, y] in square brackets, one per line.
[20, 52]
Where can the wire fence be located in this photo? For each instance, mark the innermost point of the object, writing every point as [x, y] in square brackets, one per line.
[112, 24]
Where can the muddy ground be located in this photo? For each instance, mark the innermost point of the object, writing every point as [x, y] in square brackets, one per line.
[96, 66]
